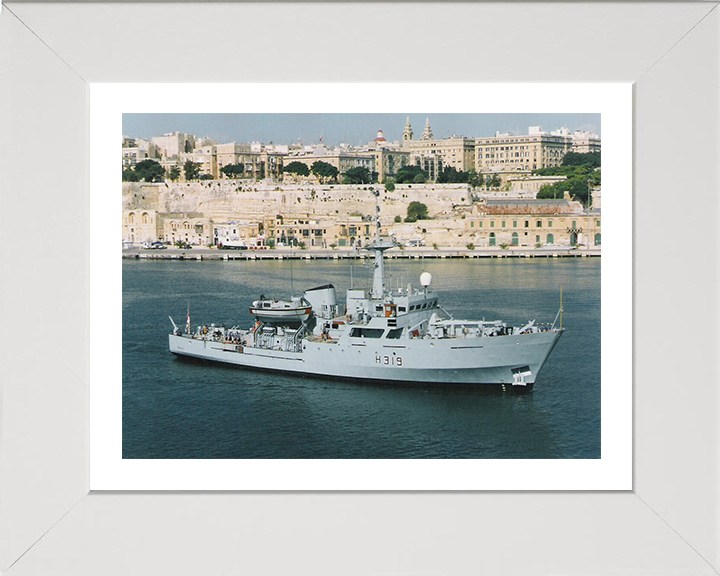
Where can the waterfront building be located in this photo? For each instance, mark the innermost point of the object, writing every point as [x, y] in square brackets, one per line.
[245, 232]
[192, 230]
[310, 232]
[532, 223]
[139, 225]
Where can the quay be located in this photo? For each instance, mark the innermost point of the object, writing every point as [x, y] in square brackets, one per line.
[202, 253]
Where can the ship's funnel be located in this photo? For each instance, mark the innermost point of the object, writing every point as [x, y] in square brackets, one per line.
[323, 301]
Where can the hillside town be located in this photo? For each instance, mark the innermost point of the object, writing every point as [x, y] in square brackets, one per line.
[536, 191]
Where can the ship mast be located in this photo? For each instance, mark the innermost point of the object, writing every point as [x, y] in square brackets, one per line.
[379, 246]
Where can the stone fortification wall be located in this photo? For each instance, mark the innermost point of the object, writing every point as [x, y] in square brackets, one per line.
[223, 200]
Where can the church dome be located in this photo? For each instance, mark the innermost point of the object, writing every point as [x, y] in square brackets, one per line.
[380, 137]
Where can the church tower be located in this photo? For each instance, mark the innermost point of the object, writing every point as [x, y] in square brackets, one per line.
[408, 134]
[427, 133]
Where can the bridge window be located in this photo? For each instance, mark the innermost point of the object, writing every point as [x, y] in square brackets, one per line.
[366, 333]
[394, 334]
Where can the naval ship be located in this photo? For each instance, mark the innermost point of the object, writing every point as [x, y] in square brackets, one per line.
[381, 335]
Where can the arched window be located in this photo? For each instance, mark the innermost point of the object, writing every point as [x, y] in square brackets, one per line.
[492, 238]
[131, 218]
[597, 239]
[186, 225]
[550, 239]
[145, 218]
[514, 241]
[573, 239]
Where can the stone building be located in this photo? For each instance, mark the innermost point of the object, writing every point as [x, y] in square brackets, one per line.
[529, 152]
[139, 226]
[192, 230]
[457, 151]
[238, 232]
[532, 223]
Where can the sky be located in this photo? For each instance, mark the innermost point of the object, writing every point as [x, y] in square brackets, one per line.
[354, 129]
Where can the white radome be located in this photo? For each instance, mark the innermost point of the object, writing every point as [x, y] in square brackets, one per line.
[425, 279]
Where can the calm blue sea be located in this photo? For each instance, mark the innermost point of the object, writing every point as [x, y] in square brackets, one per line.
[175, 408]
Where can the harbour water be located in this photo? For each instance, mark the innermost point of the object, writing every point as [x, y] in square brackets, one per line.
[177, 408]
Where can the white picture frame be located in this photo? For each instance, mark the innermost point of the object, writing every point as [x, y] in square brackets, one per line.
[48, 521]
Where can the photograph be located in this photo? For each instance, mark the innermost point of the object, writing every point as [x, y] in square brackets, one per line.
[361, 285]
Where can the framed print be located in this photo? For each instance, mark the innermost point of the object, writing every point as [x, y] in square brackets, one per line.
[265, 460]
[667, 523]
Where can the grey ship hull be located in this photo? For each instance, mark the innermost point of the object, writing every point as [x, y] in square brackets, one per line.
[483, 360]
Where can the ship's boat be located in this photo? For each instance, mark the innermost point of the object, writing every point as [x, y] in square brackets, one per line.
[297, 310]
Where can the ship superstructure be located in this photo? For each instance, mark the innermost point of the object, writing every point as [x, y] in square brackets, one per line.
[404, 336]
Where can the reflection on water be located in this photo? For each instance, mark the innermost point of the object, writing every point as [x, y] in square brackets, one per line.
[180, 409]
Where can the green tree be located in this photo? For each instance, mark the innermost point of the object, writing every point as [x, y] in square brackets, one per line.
[357, 175]
[233, 170]
[191, 169]
[390, 186]
[174, 173]
[408, 174]
[398, 219]
[474, 179]
[493, 181]
[416, 211]
[325, 172]
[452, 176]
[577, 159]
[149, 170]
[128, 175]
[297, 168]
[577, 187]
[419, 179]
[205, 177]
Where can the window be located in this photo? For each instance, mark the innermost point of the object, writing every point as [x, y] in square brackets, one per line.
[597, 223]
[492, 238]
[503, 223]
[539, 223]
[549, 223]
[472, 224]
[366, 333]
[514, 241]
[394, 334]
[574, 224]
[480, 224]
[515, 223]
[527, 224]
[550, 239]
[492, 223]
